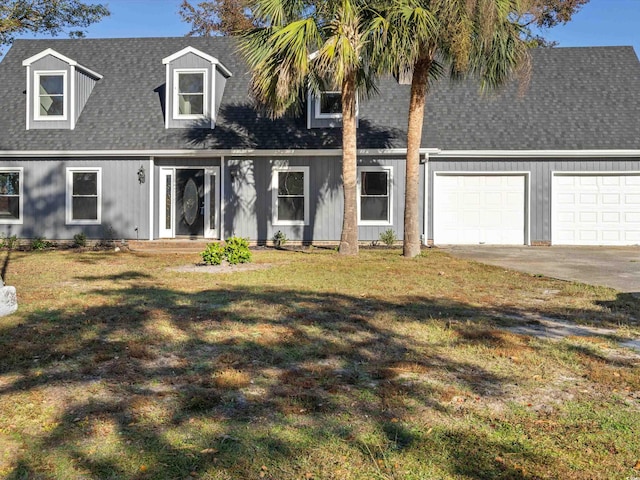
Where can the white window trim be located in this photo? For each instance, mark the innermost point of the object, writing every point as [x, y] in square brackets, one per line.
[389, 171]
[318, 113]
[36, 96]
[69, 203]
[205, 96]
[20, 171]
[274, 189]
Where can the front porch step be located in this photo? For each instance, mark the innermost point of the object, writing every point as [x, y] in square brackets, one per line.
[168, 246]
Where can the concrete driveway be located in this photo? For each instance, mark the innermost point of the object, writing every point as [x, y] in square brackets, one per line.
[615, 267]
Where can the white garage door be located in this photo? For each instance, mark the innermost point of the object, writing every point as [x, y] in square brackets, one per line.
[475, 209]
[596, 209]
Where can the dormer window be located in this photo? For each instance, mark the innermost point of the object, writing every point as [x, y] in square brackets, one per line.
[50, 96]
[190, 98]
[195, 83]
[58, 88]
[324, 109]
[329, 105]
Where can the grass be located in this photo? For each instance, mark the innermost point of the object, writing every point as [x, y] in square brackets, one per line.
[318, 367]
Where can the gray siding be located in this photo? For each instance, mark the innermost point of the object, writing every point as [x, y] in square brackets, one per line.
[125, 202]
[49, 63]
[540, 172]
[84, 87]
[249, 199]
[220, 83]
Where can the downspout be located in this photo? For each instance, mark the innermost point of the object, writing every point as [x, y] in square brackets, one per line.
[151, 192]
[426, 199]
[222, 202]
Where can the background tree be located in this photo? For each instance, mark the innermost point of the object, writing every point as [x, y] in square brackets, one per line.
[540, 15]
[318, 45]
[47, 16]
[218, 17]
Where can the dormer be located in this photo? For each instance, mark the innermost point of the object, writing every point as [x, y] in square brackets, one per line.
[195, 84]
[324, 109]
[57, 90]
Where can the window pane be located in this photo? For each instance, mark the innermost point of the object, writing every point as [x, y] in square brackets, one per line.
[191, 83]
[85, 208]
[374, 208]
[51, 85]
[167, 206]
[85, 183]
[50, 106]
[291, 208]
[291, 183]
[212, 202]
[10, 183]
[374, 183]
[190, 105]
[330, 103]
[9, 208]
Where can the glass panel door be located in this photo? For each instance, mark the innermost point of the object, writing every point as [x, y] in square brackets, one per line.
[189, 202]
[212, 202]
[165, 203]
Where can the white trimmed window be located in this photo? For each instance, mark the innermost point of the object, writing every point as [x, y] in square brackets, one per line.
[84, 196]
[374, 195]
[50, 95]
[290, 187]
[190, 94]
[11, 196]
[329, 105]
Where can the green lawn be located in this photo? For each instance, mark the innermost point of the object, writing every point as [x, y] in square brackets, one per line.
[315, 367]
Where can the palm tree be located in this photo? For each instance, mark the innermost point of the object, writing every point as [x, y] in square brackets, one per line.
[421, 37]
[313, 44]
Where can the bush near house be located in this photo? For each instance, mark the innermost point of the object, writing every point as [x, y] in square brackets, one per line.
[235, 250]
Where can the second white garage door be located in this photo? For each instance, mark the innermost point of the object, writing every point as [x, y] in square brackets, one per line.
[479, 209]
[591, 209]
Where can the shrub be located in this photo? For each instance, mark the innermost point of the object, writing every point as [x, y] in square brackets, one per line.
[237, 250]
[40, 243]
[79, 240]
[279, 239]
[10, 243]
[213, 254]
[388, 237]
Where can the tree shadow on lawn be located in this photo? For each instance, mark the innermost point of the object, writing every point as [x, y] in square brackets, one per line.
[217, 381]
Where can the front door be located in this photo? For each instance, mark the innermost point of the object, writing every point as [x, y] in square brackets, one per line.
[189, 202]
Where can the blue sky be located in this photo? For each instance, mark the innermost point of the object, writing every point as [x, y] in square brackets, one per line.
[600, 22]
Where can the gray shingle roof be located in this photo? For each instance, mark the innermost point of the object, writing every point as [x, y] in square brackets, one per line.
[578, 98]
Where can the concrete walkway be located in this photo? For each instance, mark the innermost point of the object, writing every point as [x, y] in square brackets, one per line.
[615, 267]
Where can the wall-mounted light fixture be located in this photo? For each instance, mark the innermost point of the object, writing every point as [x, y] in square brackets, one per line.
[142, 177]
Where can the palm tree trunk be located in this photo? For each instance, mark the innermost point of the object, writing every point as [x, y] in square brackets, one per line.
[349, 237]
[411, 244]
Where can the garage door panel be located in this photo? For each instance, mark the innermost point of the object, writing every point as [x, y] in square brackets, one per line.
[588, 199]
[613, 181]
[632, 180]
[605, 209]
[588, 217]
[610, 199]
[486, 209]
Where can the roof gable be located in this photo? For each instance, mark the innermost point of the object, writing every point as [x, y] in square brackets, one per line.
[50, 51]
[195, 51]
